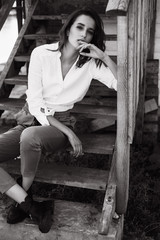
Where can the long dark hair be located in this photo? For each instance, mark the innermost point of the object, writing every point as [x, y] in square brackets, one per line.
[98, 37]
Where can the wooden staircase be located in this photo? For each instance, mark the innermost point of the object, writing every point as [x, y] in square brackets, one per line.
[74, 220]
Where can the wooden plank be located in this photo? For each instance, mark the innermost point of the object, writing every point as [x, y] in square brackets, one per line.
[152, 66]
[98, 124]
[110, 26]
[71, 221]
[102, 91]
[22, 58]
[150, 105]
[9, 63]
[152, 92]
[118, 7]
[4, 11]
[40, 36]
[151, 117]
[91, 111]
[108, 210]
[11, 104]
[103, 101]
[53, 173]
[111, 46]
[98, 143]
[61, 17]
[17, 80]
[123, 148]
[131, 70]
[151, 128]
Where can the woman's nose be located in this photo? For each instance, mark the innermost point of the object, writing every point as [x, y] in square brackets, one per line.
[84, 33]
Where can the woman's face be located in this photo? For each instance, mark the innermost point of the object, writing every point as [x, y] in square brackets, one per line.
[82, 30]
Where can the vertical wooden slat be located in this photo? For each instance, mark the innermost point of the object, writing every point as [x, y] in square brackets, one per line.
[139, 30]
[122, 164]
[131, 70]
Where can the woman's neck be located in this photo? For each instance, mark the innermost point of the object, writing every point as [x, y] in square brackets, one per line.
[69, 54]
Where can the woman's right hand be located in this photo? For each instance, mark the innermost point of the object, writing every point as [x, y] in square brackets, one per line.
[76, 144]
[73, 139]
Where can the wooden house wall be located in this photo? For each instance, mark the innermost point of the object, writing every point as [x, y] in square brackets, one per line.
[157, 42]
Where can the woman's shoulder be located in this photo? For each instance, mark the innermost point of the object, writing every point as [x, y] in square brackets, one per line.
[46, 48]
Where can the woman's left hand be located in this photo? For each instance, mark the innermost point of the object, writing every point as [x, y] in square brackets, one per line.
[90, 50]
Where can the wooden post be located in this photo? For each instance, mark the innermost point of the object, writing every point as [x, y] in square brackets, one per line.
[123, 147]
[27, 5]
[19, 14]
[131, 70]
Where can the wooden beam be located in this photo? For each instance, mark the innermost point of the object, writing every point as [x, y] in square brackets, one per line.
[132, 15]
[4, 11]
[117, 7]
[123, 148]
[108, 210]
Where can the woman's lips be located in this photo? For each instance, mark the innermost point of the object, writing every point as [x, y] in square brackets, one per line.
[81, 40]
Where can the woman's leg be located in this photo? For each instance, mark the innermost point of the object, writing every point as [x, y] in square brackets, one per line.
[9, 149]
[33, 141]
[17, 193]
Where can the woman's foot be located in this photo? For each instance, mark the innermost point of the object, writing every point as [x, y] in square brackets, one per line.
[16, 214]
[41, 212]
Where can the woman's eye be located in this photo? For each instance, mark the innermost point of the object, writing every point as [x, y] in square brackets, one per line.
[79, 27]
[91, 32]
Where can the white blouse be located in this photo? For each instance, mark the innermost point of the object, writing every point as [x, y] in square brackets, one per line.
[48, 92]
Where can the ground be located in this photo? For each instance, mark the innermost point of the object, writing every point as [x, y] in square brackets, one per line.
[142, 217]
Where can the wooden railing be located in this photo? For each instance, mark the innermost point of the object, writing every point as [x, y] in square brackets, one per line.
[134, 20]
[5, 7]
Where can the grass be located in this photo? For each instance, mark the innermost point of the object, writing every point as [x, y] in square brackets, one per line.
[142, 218]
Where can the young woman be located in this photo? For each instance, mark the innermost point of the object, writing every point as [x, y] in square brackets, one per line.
[59, 76]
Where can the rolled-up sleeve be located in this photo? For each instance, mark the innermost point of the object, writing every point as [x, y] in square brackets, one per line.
[104, 75]
[34, 92]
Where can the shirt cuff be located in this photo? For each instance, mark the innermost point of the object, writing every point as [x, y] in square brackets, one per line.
[42, 120]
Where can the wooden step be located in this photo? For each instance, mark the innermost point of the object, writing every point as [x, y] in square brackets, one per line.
[17, 80]
[55, 37]
[61, 17]
[12, 104]
[89, 111]
[22, 58]
[97, 143]
[46, 36]
[71, 221]
[108, 19]
[64, 175]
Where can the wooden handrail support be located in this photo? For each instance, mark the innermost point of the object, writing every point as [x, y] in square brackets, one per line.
[118, 7]
[131, 61]
[109, 204]
[5, 8]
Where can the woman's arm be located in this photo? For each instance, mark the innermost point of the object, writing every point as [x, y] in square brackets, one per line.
[73, 139]
[34, 94]
[96, 53]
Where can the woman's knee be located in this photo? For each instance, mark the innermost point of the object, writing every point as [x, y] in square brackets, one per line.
[29, 138]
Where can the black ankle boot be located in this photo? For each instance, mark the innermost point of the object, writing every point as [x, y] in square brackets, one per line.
[41, 212]
[16, 214]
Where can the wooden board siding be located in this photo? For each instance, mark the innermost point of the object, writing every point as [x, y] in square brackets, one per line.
[157, 42]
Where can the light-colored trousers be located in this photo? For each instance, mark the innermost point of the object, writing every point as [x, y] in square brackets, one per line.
[28, 142]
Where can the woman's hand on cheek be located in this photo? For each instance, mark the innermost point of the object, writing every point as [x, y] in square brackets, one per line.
[90, 50]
